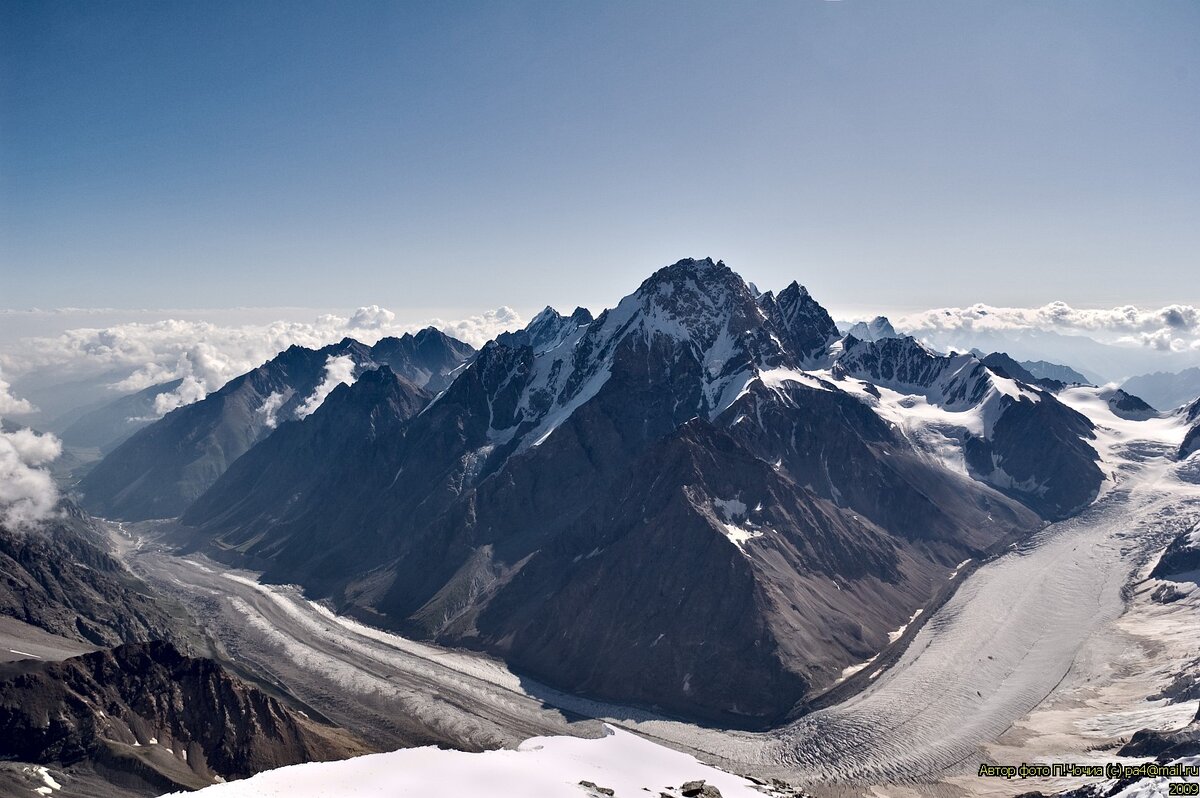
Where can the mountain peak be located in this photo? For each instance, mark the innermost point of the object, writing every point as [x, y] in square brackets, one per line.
[694, 263]
[876, 329]
[701, 301]
[375, 388]
[543, 315]
[705, 272]
[807, 327]
[696, 312]
[425, 332]
[547, 329]
[347, 346]
[902, 346]
[708, 275]
[794, 287]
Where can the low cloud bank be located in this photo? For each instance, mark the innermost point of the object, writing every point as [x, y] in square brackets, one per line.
[132, 356]
[1173, 328]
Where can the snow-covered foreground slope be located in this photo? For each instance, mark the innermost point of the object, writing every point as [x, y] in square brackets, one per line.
[542, 767]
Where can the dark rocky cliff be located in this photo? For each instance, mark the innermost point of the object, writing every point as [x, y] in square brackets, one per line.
[153, 719]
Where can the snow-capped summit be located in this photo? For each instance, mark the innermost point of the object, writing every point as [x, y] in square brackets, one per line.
[876, 329]
[696, 319]
[547, 329]
[1127, 406]
[705, 307]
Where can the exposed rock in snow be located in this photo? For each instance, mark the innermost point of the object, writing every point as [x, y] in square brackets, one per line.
[1014, 436]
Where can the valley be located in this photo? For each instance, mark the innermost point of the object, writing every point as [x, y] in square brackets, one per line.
[984, 678]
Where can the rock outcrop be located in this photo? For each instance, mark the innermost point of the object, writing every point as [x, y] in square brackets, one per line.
[153, 719]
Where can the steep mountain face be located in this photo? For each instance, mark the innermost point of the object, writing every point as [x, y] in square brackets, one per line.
[657, 506]
[722, 543]
[1044, 370]
[876, 329]
[806, 327]
[153, 719]
[161, 469]
[512, 398]
[1015, 437]
[1005, 366]
[427, 359]
[1181, 557]
[108, 425]
[547, 330]
[1191, 441]
[279, 483]
[164, 467]
[60, 578]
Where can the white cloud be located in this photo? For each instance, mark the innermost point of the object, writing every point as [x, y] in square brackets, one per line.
[1173, 328]
[9, 404]
[371, 317]
[338, 371]
[207, 355]
[478, 330]
[270, 407]
[34, 448]
[190, 390]
[27, 492]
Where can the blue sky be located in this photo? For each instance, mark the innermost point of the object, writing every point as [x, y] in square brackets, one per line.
[469, 155]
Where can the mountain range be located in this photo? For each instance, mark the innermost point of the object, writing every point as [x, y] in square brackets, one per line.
[162, 468]
[704, 500]
[1043, 369]
[1166, 390]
